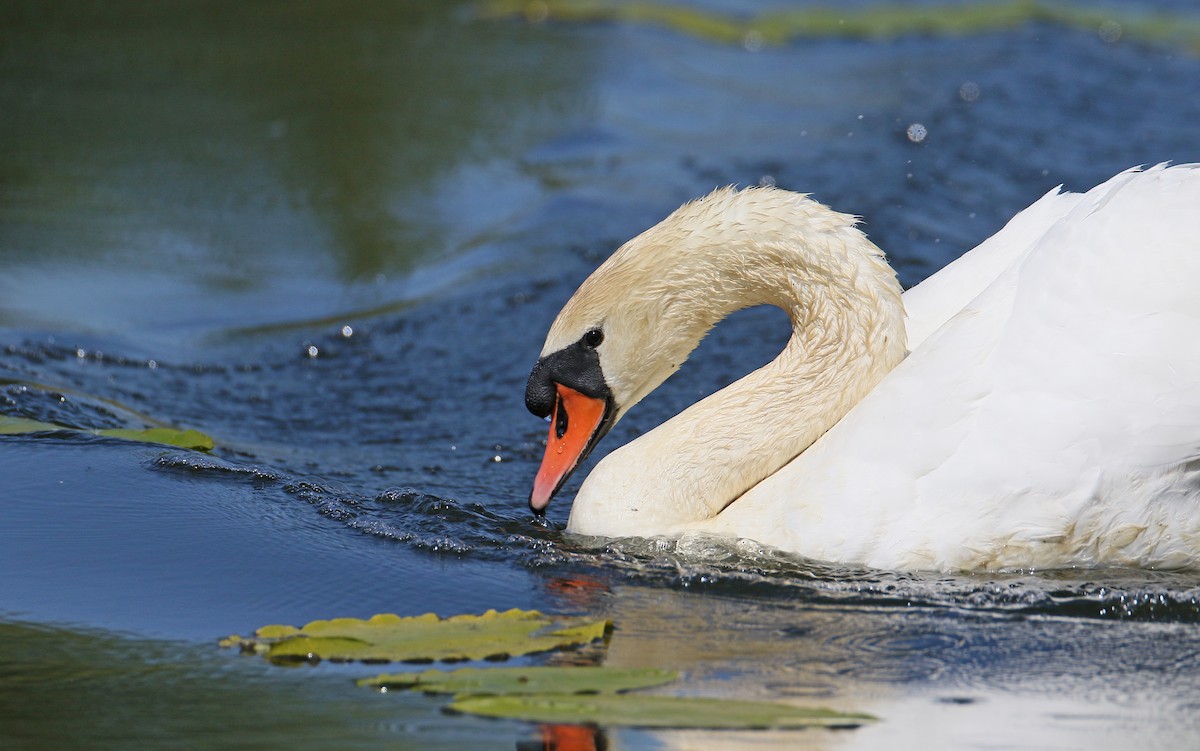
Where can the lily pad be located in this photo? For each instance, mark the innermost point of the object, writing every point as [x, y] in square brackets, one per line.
[188, 439]
[423, 638]
[528, 680]
[655, 711]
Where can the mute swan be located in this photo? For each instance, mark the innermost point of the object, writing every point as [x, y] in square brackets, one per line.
[1040, 409]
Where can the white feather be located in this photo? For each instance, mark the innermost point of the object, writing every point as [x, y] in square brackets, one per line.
[1047, 415]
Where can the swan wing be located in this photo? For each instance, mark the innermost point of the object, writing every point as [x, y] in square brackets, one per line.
[932, 303]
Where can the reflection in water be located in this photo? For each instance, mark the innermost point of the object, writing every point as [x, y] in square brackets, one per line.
[269, 155]
[568, 738]
[64, 689]
[936, 677]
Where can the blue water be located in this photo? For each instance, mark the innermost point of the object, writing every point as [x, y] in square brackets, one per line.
[333, 236]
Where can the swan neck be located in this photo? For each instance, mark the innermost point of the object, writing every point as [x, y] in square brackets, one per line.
[844, 340]
[847, 333]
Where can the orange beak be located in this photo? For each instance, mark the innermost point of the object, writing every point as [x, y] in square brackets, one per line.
[574, 425]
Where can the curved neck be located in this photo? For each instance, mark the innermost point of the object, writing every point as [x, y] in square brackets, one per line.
[725, 444]
[847, 333]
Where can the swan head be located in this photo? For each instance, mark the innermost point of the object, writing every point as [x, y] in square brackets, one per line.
[607, 349]
[568, 386]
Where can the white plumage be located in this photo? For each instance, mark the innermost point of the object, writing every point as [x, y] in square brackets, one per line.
[1047, 414]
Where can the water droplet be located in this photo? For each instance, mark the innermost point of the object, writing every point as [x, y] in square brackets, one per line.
[753, 41]
[916, 132]
[152, 364]
[312, 351]
[347, 332]
[559, 450]
[969, 91]
[767, 181]
[497, 458]
[81, 353]
[1110, 31]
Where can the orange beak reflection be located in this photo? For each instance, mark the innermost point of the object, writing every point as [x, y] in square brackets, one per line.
[573, 425]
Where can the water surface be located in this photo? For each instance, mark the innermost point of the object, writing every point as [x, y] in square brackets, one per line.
[333, 236]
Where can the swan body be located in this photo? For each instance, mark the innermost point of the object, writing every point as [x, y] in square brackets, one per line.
[1040, 406]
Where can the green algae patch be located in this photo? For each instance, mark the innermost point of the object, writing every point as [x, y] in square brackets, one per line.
[188, 439]
[882, 21]
[631, 710]
[423, 638]
[527, 680]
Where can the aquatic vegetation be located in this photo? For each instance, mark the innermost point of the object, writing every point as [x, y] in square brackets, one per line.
[188, 439]
[656, 711]
[563, 680]
[883, 21]
[423, 638]
[554, 694]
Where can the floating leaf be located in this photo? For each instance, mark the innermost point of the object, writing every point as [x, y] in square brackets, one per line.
[14, 425]
[655, 711]
[529, 680]
[422, 638]
[188, 439]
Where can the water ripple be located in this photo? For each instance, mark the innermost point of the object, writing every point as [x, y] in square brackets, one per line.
[439, 525]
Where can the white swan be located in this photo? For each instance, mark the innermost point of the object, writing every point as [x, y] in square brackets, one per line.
[1047, 413]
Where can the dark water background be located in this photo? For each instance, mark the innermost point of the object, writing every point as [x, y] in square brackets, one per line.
[332, 236]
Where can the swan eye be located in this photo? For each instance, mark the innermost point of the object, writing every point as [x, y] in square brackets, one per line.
[593, 338]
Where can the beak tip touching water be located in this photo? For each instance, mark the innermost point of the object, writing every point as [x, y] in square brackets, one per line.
[539, 499]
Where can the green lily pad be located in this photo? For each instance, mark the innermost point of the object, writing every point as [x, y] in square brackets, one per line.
[188, 439]
[15, 425]
[655, 711]
[422, 638]
[528, 680]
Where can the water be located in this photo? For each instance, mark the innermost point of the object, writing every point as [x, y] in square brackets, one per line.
[333, 237]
